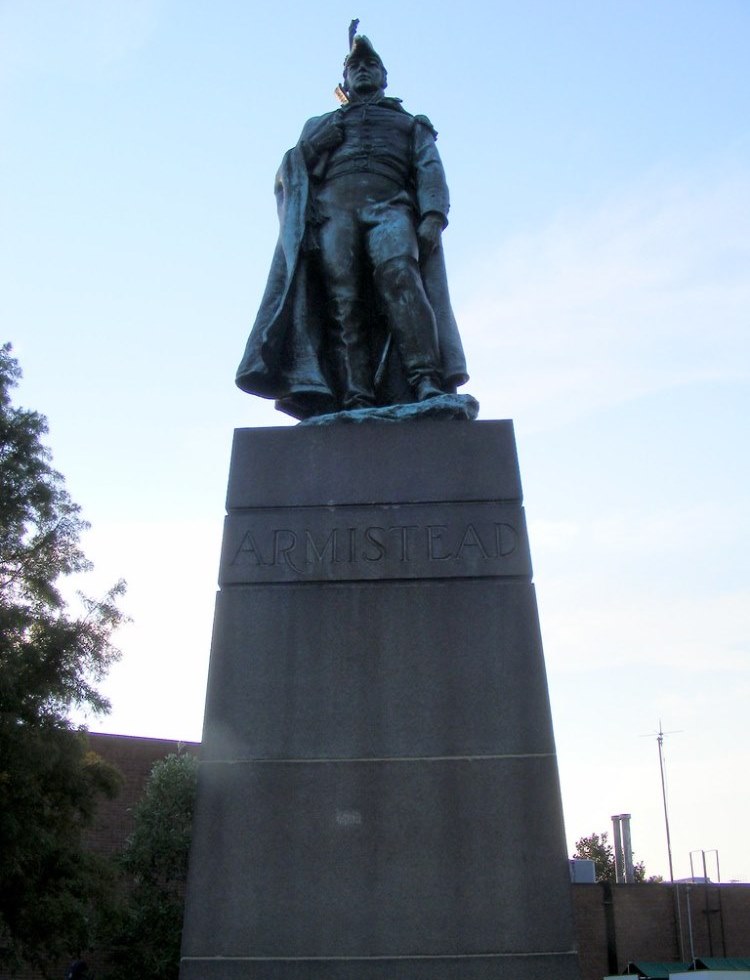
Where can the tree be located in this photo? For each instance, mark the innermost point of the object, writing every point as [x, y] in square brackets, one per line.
[51, 659]
[596, 848]
[156, 859]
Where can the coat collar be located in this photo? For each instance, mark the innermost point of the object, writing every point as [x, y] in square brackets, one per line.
[384, 101]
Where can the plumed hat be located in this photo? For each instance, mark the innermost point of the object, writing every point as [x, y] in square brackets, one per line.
[360, 47]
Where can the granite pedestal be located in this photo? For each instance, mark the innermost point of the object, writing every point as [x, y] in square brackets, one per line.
[378, 796]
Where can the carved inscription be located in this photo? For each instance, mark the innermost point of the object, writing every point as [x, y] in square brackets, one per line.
[399, 542]
[388, 542]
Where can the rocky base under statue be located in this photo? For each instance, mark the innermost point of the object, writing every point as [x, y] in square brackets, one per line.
[455, 407]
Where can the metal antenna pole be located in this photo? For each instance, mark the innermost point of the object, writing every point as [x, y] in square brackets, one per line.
[660, 742]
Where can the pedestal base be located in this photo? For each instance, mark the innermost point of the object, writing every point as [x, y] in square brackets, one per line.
[378, 795]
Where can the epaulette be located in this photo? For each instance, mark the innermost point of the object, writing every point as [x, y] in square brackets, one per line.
[424, 121]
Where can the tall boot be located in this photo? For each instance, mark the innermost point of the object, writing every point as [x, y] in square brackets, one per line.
[351, 353]
[412, 323]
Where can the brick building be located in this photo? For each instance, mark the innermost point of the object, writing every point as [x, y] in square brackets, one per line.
[134, 757]
[620, 924]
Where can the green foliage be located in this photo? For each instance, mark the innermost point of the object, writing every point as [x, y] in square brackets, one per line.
[156, 859]
[51, 660]
[596, 848]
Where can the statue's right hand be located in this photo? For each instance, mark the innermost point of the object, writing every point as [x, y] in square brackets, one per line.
[329, 138]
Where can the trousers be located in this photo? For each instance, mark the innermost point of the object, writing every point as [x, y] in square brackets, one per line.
[368, 228]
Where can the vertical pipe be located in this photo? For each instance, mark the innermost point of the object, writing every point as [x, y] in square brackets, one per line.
[678, 916]
[721, 904]
[627, 848]
[619, 861]
[690, 925]
[708, 907]
[611, 930]
[720, 898]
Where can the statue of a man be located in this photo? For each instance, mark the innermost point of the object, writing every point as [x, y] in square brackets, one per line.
[356, 311]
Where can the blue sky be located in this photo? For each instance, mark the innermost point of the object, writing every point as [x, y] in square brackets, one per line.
[598, 156]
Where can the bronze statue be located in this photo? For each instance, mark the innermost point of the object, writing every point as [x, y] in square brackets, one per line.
[356, 312]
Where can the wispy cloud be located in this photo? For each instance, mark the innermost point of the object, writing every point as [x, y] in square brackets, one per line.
[644, 292]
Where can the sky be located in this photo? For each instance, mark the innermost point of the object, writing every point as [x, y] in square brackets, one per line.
[598, 155]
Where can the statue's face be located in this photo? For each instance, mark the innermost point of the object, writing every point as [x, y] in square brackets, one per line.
[364, 76]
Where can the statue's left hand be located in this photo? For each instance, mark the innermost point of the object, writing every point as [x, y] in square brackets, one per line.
[429, 231]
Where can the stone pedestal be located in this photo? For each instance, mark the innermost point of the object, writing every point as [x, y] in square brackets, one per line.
[378, 797]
